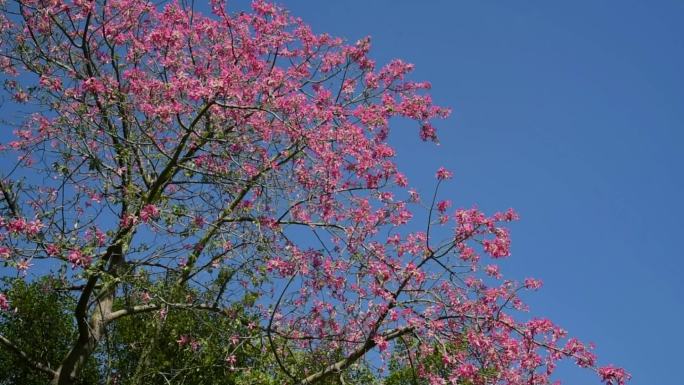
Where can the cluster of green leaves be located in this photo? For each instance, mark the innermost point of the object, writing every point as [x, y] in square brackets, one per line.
[38, 323]
[146, 348]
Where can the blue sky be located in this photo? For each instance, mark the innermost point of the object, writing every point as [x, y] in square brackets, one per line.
[570, 112]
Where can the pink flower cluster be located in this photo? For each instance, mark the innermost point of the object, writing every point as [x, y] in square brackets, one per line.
[22, 226]
[443, 174]
[612, 375]
[149, 212]
[78, 258]
[188, 340]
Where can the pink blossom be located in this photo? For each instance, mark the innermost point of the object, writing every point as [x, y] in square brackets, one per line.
[95, 197]
[612, 375]
[381, 343]
[580, 352]
[428, 132]
[4, 303]
[443, 173]
[78, 258]
[100, 237]
[493, 271]
[17, 225]
[401, 180]
[129, 220]
[24, 265]
[52, 249]
[442, 206]
[184, 340]
[149, 212]
[532, 283]
[414, 196]
[21, 97]
[231, 360]
[93, 85]
[466, 371]
[34, 227]
[508, 216]
[51, 83]
[199, 221]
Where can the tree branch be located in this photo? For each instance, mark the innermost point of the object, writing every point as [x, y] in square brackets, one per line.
[9, 198]
[353, 357]
[152, 307]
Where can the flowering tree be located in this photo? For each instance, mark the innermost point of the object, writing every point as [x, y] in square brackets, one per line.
[237, 164]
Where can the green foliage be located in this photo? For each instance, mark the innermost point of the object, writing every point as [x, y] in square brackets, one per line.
[40, 325]
[148, 348]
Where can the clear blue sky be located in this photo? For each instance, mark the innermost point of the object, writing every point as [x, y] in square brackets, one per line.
[570, 112]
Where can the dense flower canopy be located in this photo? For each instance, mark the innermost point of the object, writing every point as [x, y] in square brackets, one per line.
[246, 157]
